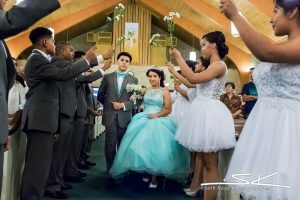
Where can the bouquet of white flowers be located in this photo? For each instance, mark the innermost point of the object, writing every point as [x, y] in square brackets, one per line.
[136, 90]
[171, 23]
[118, 14]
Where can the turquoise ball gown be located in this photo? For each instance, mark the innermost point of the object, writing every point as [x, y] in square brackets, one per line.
[149, 145]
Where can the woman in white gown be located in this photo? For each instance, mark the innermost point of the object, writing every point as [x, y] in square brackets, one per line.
[209, 126]
[268, 148]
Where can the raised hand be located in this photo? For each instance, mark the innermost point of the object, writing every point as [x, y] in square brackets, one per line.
[91, 54]
[228, 8]
[106, 65]
[108, 54]
[171, 67]
[174, 53]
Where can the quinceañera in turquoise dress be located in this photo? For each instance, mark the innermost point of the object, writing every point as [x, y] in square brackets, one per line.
[149, 145]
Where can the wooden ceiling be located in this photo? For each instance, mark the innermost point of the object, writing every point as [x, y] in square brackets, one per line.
[77, 17]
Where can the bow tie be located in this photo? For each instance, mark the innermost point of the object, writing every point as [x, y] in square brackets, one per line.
[121, 74]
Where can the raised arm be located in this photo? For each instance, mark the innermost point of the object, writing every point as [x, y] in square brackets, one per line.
[89, 78]
[181, 91]
[23, 15]
[52, 72]
[215, 70]
[179, 76]
[261, 47]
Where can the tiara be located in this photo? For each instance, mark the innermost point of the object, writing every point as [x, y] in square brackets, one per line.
[156, 67]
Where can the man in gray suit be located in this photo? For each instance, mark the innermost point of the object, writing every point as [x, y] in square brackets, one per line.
[68, 103]
[117, 108]
[41, 113]
[17, 19]
[72, 172]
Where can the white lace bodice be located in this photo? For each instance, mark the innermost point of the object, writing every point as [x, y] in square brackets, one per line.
[278, 80]
[213, 88]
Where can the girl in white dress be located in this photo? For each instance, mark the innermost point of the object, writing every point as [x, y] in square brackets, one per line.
[181, 87]
[180, 103]
[268, 148]
[196, 163]
[209, 126]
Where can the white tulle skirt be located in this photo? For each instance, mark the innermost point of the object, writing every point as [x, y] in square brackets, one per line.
[207, 126]
[178, 108]
[269, 146]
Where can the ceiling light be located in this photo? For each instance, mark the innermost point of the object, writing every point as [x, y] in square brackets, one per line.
[193, 55]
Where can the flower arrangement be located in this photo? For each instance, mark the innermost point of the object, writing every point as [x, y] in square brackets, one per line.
[171, 23]
[136, 90]
[129, 36]
[118, 14]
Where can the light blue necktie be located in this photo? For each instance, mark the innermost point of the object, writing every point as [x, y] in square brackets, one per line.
[120, 75]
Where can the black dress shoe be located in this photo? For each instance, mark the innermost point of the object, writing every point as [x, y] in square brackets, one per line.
[83, 166]
[90, 163]
[66, 187]
[82, 174]
[74, 179]
[56, 195]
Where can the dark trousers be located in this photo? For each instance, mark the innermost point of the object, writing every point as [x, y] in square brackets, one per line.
[90, 140]
[71, 168]
[113, 136]
[83, 153]
[59, 157]
[37, 164]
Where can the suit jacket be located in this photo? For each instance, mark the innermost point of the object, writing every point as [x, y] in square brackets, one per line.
[108, 92]
[17, 19]
[42, 108]
[68, 96]
[91, 105]
[81, 93]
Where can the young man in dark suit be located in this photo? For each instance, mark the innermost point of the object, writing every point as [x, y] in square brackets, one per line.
[68, 104]
[117, 107]
[41, 113]
[17, 19]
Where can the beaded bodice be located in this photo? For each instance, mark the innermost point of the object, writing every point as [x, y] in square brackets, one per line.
[153, 100]
[213, 88]
[278, 80]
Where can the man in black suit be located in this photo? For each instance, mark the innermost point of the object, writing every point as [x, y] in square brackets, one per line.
[17, 19]
[41, 113]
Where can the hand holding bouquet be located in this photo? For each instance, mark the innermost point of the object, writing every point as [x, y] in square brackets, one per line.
[136, 90]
